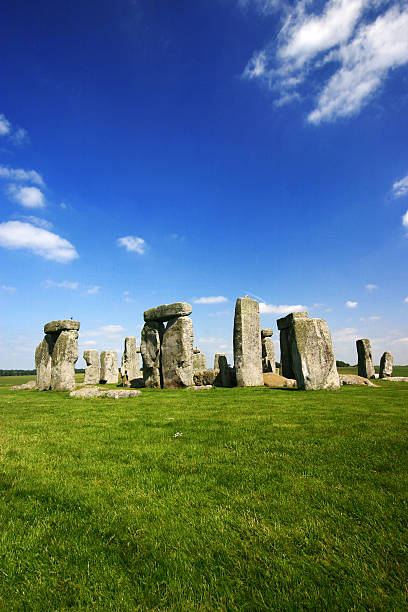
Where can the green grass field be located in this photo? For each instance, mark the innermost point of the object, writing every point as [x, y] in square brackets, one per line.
[270, 500]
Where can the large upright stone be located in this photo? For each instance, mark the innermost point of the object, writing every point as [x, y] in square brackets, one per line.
[199, 361]
[177, 353]
[150, 347]
[307, 352]
[226, 376]
[130, 367]
[43, 355]
[166, 312]
[247, 343]
[284, 324]
[268, 351]
[365, 358]
[63, 360]
[386, 365]
[92, 370]
[109, 367]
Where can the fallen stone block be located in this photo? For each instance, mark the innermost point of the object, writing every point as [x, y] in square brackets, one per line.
[199, 388]
[205, 377]
[272, 379]
[353, 379]
[28, 385]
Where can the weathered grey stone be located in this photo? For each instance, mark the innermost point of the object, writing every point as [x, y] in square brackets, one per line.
[150, 347]
[64, 325]
[267, 332]
[199, 361]
[365, 358]
[177, 353]
[166, 312]
[199, 388]
[63, 360]
[268, 355]
[286, 369]
[130, 366]
[109, 367]
[247, 343]
[353, 379]
[396, 378]
[205, 378]
[288, 321]
[28, 385]
[91, 392]
[92, 370]
[226, 377]
[311, 353]
[386, 365]
[43, 355]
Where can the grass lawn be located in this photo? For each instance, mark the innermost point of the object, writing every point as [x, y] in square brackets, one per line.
[270, 499]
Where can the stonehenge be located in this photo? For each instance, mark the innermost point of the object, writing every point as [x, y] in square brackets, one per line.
[130, 367]
[307, 352]
[386, 365]
[167, 352]
[268, 351]
[56, 355]
[109, 367]
[365, 358]
[247, 343]
[92, 370]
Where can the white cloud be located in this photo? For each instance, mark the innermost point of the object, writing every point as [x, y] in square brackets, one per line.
[346, 334]
[90, 343]
[30, 197]
[211, 340]
[406, 300]
[350, 304]
[5, 125]
[93, 290]
[108, 331]
[405, 219]
[373, 318]
[132, 243]
[215, 299]
[371, 287]
[280, 309]
[20, 136]
[359, 41]
[400, 188]
[17, 235]
[37, 221]
[8, 289]
[401, 340]
[18, 174]
[62, 284]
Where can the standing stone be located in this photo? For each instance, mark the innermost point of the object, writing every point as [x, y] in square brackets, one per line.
[309, 352]
[268, 351]
[247, 343]
[284, 324]
[109, 367]
[130, 367]
[43, 355]
[226, 376]
[386, 365]
[365, 358]
[63, 360]
[199, 361]
[92, 370]
[177, 353]
[150, 347]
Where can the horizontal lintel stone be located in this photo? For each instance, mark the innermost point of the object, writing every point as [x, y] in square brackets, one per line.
[165, 312]
[62, 325]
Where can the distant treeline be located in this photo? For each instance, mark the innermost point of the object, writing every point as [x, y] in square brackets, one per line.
[30, 372]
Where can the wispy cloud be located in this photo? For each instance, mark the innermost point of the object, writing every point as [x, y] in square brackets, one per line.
[61, 284]
[18, 174]
[5, 125]
[8, 289]
[18, 235]
[214, 299]
[36, 221]
[406, 300]
[93, 290]
[350, 304]
[346, 334]
[16, 135]
[280, 309]
[373, 318]
[400, 188]
[132, 243]
[359, 41]
[29, 197]
[371, 287]
[111, 331]
[405, 219]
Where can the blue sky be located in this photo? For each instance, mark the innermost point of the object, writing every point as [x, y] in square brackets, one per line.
[153, 152]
